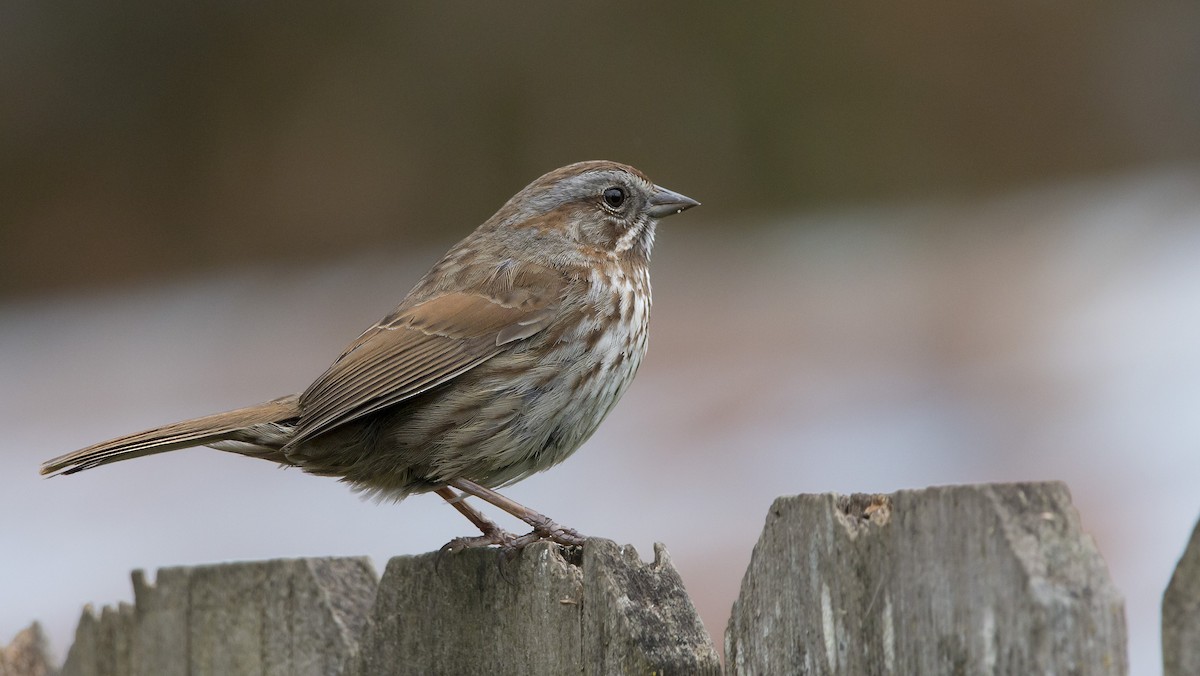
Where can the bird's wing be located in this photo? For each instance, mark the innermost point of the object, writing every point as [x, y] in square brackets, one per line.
[422, 347]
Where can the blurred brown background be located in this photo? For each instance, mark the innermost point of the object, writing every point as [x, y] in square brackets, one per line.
[144, 138]
[941, 242]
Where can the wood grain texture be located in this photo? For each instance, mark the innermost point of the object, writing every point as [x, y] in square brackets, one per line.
[300, 616]
[604, 612]
[468, 613]
[992, 579]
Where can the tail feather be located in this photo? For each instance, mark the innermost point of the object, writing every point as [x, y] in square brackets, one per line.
[195, 432]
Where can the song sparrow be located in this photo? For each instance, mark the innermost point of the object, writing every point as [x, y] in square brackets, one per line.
[500, 363]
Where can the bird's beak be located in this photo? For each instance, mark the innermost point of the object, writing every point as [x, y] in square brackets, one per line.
[665, 202]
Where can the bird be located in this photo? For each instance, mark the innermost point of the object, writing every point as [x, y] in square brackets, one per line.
[500, 363]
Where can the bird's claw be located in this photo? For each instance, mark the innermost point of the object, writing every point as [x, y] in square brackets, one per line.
[547, 529]
[498, 536]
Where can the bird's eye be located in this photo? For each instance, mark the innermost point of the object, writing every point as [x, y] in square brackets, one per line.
[614, 197]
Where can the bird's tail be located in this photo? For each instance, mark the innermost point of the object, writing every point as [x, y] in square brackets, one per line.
[255, 430]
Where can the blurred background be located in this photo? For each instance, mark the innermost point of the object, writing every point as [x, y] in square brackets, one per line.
[940, 243]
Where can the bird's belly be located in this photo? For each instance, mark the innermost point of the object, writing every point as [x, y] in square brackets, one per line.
[527, 428]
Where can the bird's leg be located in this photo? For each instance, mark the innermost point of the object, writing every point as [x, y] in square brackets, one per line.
[492, 534]
[543, 527]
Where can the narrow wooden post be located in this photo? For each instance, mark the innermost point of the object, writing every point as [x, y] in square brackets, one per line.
[1181, 614]
[299, 616]
[992, 579]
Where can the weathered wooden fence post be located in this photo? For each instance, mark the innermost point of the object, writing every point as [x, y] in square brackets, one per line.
[468, 613]
[26, 655]
[992, 579]
[299, 616]
[605, 613]
[1181, 614]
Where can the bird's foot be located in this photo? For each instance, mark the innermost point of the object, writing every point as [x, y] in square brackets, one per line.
[565, 537]
[548, 529]
[494, 536]
[511, 544]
